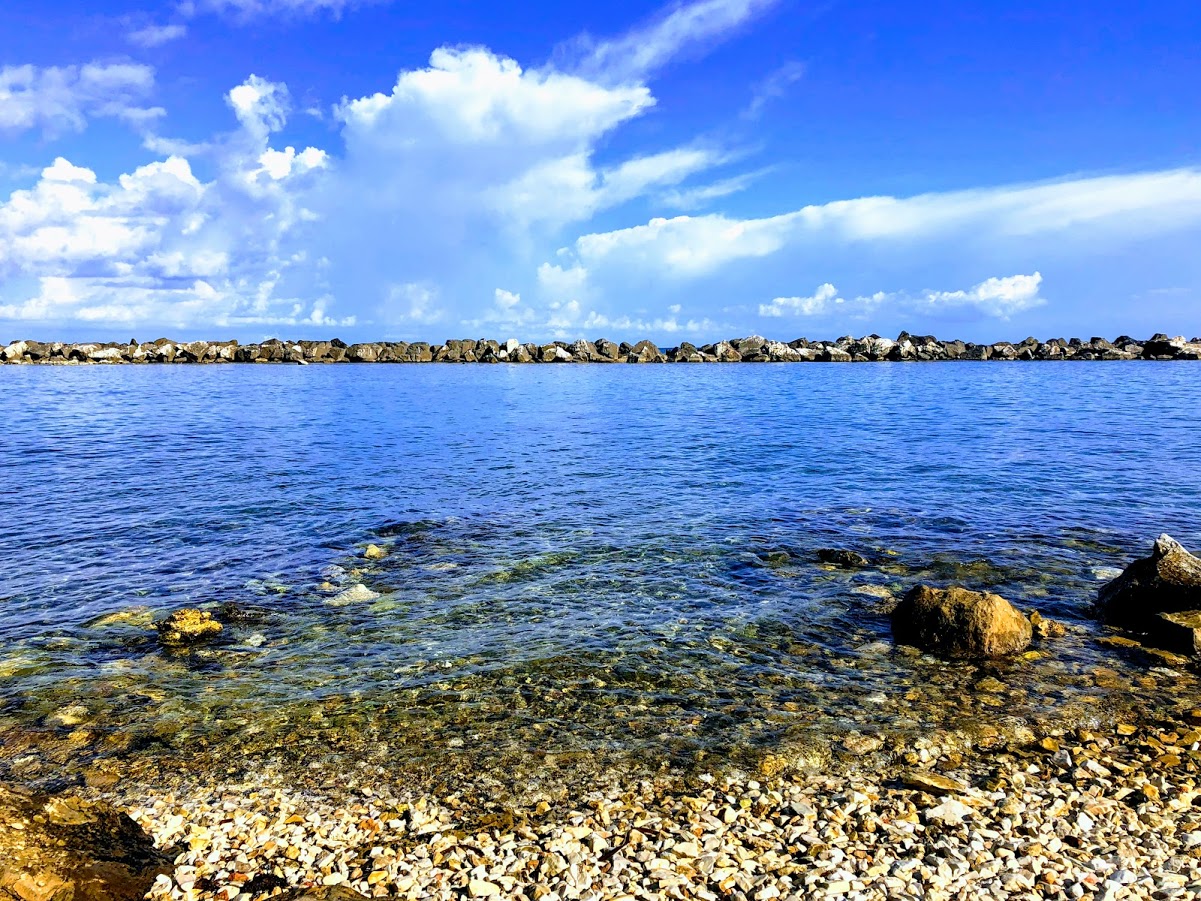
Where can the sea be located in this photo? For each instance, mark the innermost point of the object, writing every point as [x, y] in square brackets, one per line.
[586, 567]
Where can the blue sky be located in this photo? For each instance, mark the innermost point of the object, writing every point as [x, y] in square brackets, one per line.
[543, 170]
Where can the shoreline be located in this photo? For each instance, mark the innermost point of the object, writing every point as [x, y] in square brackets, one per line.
[1105, 812]
[754, 349]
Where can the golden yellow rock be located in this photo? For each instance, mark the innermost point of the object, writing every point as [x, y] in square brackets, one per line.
[187, 626]
[374, 552]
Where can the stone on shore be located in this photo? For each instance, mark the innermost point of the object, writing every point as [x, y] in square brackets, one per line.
[187, 626]
[955, 622]
[932, 783]
[63, 848]
[1168, 581]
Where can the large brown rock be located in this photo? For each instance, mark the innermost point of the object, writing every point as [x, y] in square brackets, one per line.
[1169, 581]
[956, 622]
[62, 848]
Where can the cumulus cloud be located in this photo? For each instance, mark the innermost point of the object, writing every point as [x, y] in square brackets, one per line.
[156, 35]
[1001, 297]
[996, 297]
[158, 245]
[815, 304]
[61, 99]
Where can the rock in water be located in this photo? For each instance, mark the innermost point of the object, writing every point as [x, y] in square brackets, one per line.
[1169, 581]
[374, 552]
[960, 623]
[843, 558]
[63, 848]
[187, 626]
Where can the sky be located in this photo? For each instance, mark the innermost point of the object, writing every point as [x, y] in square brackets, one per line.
[383, 169]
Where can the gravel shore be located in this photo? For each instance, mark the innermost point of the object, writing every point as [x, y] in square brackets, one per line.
[1108, 813]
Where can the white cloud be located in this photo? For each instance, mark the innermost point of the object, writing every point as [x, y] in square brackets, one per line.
[1001, 297]
[251, 9]
[773, 87]
[1122, 205]
[506, 300]
[813, 305]
[261, 106]
[157, 245]
[682, 27]
[695, 197]
[996, 297]
[58, 100]
[156, 35]
[411, 302]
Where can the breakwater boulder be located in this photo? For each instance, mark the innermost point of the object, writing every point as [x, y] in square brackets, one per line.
[751, 349]
[1158, 596]
[955, 622]
[63, 848]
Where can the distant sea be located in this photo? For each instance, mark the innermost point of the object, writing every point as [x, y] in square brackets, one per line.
[583, 563]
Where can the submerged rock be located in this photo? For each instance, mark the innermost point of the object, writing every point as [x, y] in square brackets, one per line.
[1046, 628]
[1168, 581]
[63, 848]
[374, 552]
[355, 594]
[843, 558]
[960, 623]
[187, 626]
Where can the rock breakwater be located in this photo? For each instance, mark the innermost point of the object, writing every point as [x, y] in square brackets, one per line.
[753, 349]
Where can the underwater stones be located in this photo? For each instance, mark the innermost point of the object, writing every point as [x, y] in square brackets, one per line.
[374, 552]
[844, 558]
[186, 627]
[1168, 581]
[63, 848]
[355, 594]
[1046, 628]
[955, 622]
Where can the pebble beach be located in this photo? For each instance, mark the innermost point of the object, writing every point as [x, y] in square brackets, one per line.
[1107, 813]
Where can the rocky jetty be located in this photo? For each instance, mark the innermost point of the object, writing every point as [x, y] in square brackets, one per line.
[753, 349]
[1158, 596]
[64, 848]
[959, 623]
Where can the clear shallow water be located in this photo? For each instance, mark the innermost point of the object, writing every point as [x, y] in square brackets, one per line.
[584, 562]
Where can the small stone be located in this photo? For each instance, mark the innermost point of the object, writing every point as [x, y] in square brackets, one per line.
[374, 552]
[478, 888]
[934, 783]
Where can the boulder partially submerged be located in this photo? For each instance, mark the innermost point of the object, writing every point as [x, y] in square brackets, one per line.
[1168, 581]
[956, 622]
[63, 848]
[1159, 597]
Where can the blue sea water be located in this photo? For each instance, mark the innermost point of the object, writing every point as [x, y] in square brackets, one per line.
[580, 558]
